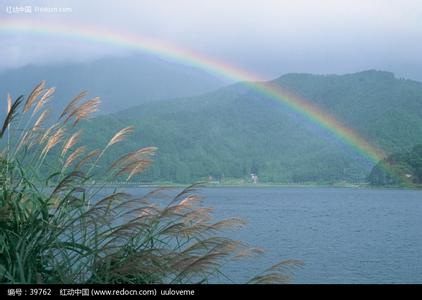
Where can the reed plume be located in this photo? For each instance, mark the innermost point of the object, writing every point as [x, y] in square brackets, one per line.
[84, 110]
[12, 112]
[120, 135]
[73, 156]
[71, 106]
[33, 96]
[70, 142]
[48, 93]
[9, 103]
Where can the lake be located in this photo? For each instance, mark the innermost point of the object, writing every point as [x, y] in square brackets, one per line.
[342, 235]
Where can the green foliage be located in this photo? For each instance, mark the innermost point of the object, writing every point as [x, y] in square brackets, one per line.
[234, 131]
[404, 169]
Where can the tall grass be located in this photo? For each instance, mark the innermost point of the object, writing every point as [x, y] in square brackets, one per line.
[59, 227]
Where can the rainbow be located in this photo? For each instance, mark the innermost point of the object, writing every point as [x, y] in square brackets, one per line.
[161, 48]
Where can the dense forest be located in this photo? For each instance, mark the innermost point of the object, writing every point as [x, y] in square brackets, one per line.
[403, 168]
[235, 131]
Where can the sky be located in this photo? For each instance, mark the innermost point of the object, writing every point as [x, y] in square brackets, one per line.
[265, 37]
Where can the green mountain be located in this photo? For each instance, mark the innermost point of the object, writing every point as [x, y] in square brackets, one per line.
[406, 167]
[235, 131]
[121, 82]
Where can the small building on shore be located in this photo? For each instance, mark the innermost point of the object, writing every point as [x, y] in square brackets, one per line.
[254, 178]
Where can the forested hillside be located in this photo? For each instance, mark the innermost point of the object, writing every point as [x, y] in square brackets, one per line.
[402, 168]
[236, 131]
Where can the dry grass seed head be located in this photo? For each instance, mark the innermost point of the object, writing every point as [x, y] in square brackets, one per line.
[279, 273]
[33, 95]
[133, 156]
[204, 255]
[75, 154]
[120, 135]
[232, 223]
[44, 99]
[55, 138]
[40, 120]
[9, 103]
[84, 110]
[190, 201]
[112, 198]
[86, 158]
[11, 115]
[69, 182]
[72, 104]
[134, 167]
[70, 142]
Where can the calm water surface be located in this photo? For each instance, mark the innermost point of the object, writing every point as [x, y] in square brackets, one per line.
[342, 235]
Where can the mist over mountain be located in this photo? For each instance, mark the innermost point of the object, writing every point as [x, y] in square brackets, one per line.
[235, 130]
[121, 82]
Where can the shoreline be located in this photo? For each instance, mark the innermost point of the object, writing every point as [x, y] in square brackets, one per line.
[262, 185]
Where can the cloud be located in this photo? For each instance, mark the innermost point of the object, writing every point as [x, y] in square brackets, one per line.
[266, 36]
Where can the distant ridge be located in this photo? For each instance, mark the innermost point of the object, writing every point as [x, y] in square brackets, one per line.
[121, 82]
